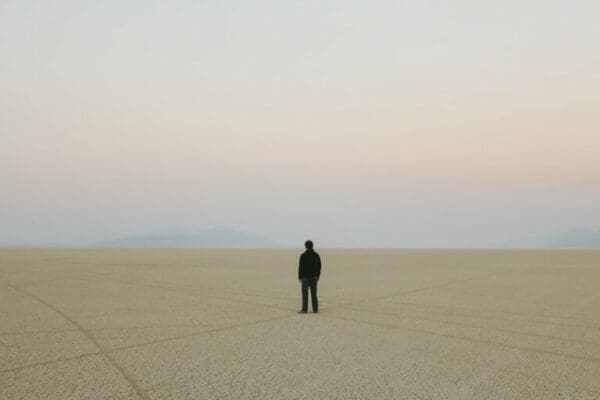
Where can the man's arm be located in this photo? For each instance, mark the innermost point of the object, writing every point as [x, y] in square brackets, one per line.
[300, 268]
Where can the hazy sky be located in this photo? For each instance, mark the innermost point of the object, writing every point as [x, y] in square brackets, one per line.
[374, 123]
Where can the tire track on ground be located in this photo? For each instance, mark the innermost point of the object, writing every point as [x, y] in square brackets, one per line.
[66, 260]
[514, 300]
[194, 292]
[40, 332]
[166, 383]
[548, 381]
[420, 317]
[421, 289]
[200, 333]
[101, 349]
[497, 318]
[49, 362]
[468, 339]
[527, 316]
[163, 340]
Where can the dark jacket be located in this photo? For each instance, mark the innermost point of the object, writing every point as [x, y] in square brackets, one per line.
[310, 265]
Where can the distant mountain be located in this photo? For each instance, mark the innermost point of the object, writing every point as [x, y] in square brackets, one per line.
[211, 238]
[576, 238]
[583, 238]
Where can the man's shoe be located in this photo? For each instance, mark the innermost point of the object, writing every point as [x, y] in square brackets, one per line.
[301, 312]
[316, 311]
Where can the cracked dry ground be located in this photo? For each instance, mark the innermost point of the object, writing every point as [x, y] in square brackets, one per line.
[221, 324]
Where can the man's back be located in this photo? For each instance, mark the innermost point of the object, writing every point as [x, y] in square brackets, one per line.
[310, 265]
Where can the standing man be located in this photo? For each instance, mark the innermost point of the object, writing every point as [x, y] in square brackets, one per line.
[308, 273]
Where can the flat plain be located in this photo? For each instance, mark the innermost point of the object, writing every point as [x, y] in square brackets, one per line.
[222, 324]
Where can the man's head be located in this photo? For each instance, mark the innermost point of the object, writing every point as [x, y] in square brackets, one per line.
[308, 244]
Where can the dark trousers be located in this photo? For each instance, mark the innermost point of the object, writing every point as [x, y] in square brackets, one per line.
[312, 284]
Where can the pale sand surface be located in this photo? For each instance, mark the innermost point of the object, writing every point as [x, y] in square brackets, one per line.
[222, 324]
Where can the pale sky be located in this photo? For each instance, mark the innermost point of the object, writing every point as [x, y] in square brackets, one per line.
[355, 123]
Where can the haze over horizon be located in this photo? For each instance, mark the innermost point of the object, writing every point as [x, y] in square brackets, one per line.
[386, 124]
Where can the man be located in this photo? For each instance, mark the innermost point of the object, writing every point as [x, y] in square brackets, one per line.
[309, 272]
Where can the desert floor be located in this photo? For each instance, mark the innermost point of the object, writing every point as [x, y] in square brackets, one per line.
[222, 324]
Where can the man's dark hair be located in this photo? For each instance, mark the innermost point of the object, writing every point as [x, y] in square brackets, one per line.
[308, 244]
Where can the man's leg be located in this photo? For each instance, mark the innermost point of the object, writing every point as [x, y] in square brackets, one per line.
[305, 285]
[313, 295]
